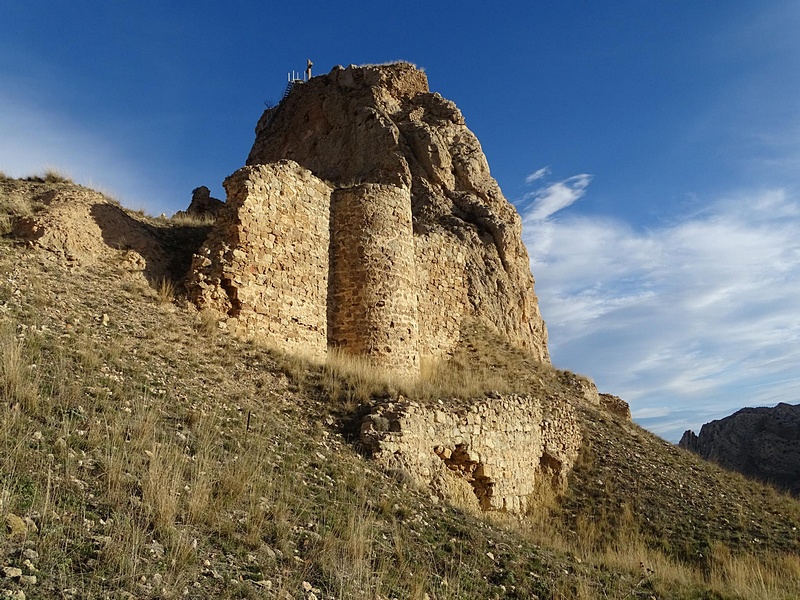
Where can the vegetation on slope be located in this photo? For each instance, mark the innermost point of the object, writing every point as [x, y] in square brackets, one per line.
[144, 453]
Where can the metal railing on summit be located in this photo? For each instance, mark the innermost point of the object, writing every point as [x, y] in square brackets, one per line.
[292, 79]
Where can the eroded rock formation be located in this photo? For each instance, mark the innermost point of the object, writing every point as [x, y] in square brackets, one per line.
[418, 235]
[203, 204]
[763, 443]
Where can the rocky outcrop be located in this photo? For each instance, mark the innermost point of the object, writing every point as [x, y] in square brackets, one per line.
[202, 204]
[763, 443]
[495, 454]
[420, 236]
[615, 405]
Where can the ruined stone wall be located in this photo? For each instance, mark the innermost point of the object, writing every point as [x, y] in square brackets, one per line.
[443, 294]
[265, 264]
[372, 308]
[493, 455]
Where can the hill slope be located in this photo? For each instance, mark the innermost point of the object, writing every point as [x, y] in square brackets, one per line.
[145, 453]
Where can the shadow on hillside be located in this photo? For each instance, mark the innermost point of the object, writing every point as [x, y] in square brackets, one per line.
[166, 248]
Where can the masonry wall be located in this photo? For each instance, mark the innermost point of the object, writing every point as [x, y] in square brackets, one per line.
[372, 305]
[266, 262]
[443, 293]
[493, 455]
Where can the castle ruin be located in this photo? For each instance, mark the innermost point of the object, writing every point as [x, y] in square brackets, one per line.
[366, 220]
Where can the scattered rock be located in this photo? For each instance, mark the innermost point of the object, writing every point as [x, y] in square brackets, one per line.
[15, 525]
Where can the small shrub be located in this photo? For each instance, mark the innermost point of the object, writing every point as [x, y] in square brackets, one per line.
[165, 290]
[56, 176]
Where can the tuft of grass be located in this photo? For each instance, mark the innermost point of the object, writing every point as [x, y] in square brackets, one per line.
[165, 290]
[19, 375]
[52, 175]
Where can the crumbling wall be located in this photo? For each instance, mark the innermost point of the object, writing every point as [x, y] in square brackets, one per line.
[372, 308]
[492, 455]
[265, 263]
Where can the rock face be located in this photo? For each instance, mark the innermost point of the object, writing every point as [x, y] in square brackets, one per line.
[410, 232]
[494, 455]
[763, 443]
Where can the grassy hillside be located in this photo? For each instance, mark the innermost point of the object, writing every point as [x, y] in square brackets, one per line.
[145, 453]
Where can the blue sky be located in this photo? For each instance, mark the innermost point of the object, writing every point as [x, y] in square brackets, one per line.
[652, 148]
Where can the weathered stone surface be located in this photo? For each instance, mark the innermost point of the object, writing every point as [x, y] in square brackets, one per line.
[421, 235]
[615, 405]
[763, 443]
[15, 525]
[493, 455]
[372, 308]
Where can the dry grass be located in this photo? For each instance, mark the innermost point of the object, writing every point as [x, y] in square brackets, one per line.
[165, 290]
[162, 458]
[184, 218]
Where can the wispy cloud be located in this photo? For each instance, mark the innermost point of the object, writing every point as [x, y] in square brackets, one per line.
[553, 197]
[537, 175]
[695, 318]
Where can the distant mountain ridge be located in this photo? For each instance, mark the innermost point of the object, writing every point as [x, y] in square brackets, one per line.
[762, 443]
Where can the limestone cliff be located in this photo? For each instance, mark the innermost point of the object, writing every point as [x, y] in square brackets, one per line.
[763, 443]
[419, 237]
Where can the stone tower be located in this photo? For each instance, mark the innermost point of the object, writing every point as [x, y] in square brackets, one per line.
[367, 220]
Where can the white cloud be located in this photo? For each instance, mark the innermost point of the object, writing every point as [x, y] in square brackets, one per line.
[556, 196]
[537, 175]
[699, 317]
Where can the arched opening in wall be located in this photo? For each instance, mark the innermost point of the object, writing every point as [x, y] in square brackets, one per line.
[551, 469]
[460, 461]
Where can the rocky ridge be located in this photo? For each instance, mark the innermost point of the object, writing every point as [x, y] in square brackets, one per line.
[762, 443]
